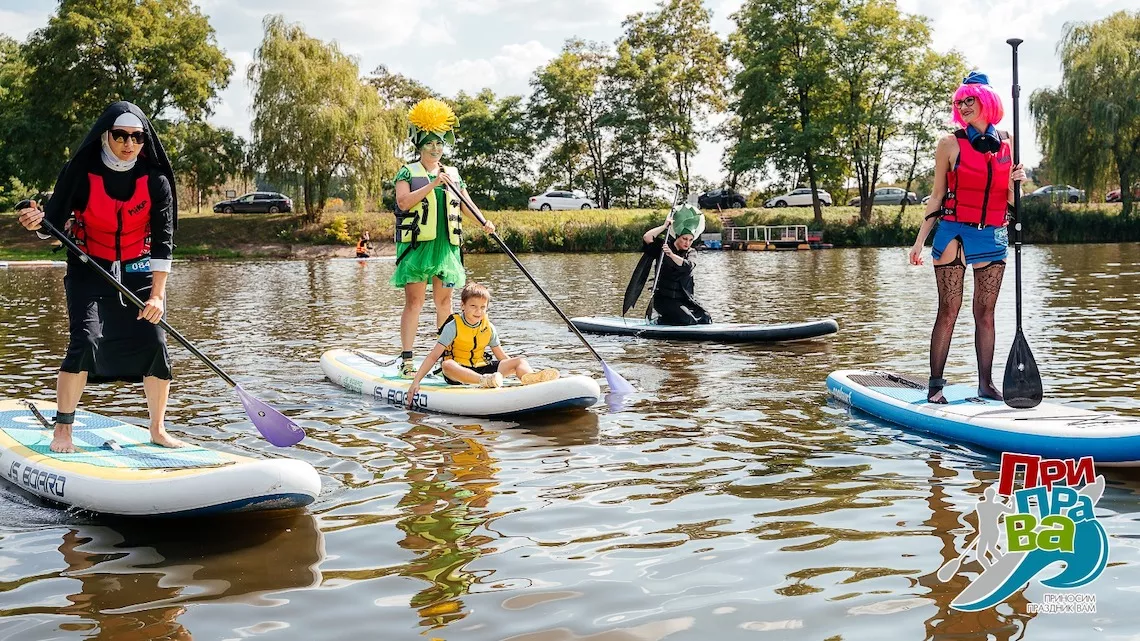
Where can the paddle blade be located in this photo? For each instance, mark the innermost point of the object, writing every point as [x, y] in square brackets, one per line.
[1022, 385]
[277, 428]
[618, 385]
[637, 282]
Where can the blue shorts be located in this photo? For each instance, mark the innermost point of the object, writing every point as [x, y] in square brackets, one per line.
[984, 245]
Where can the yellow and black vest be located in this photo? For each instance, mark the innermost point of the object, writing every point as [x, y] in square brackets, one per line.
[471, 343]
[419, 223]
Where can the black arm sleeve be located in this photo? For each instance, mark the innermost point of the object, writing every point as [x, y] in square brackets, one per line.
[161, 217]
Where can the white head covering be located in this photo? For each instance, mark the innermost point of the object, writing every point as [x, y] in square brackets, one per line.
[128, 119]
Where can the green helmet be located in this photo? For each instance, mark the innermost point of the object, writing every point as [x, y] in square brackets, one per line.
[687, 219]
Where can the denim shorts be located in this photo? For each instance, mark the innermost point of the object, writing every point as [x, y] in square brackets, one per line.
[984, 245]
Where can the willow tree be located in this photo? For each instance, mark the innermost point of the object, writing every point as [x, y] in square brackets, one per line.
[314, 118]
[1090, 125]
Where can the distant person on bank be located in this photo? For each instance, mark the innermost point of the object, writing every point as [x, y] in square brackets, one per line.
[116, 199]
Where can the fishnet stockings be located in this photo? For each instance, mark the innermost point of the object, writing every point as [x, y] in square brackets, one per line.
[949, 279]
[987, 285]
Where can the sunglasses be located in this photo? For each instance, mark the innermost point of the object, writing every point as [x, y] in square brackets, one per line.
[121, 135]
[969, 101]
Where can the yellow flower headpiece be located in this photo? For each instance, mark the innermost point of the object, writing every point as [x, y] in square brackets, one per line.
[432, 116]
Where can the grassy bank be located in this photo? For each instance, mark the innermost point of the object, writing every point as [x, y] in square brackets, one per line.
[209, 235]
[1043, 224]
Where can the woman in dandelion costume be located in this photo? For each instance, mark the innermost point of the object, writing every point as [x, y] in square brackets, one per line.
[428, 226]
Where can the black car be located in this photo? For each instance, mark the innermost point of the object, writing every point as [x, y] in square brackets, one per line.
[258, 202]
[722, 199]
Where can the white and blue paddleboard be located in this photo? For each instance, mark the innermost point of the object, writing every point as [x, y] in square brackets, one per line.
[117, 470]
[378, 375]
[1048, 430]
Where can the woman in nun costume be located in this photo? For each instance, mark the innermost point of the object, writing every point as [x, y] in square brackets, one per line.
[116, 198]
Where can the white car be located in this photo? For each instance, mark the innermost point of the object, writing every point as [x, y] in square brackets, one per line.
[798, 198]
[561, 199]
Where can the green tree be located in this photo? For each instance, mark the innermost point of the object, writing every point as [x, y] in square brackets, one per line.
[13, 75]
[204, 156]
[874, 44]
[314, 118]
[687, 64]
[1090, 125]
[494, 149]
[158, 54]
[567, 104]
[635, 152]
[788, 105]
[930, 80]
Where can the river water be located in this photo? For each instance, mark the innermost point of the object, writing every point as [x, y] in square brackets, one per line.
[728, 499]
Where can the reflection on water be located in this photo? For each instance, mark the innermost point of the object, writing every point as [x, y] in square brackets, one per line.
[726, 498]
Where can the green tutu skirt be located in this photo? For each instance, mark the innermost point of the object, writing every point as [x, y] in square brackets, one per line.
[431, 258]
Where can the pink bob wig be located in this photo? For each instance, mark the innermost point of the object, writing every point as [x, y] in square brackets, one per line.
[990, 102]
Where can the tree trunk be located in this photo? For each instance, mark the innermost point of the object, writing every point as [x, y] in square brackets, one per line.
[805, 121]
[910, 172]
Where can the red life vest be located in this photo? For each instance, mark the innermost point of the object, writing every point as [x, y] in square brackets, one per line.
[113, 229]
[977, 188]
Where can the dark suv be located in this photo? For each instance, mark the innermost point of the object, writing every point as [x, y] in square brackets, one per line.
[258, 202]
[721, 199]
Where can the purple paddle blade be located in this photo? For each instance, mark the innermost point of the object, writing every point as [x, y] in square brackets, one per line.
[618, 385]
[277, 428]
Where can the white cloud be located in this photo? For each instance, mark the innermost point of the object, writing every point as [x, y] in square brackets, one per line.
[506, 72]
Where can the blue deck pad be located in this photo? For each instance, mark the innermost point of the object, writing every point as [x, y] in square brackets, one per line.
[91, 431]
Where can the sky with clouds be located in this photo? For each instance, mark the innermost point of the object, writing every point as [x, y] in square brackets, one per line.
[470, 44]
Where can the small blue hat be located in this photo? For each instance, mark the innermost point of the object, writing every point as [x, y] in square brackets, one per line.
[976, 78]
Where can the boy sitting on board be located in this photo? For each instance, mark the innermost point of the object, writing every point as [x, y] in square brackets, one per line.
[463, 342]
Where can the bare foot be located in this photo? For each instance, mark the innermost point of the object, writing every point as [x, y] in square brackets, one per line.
[61, 441]
[160, 437]
[987, 390]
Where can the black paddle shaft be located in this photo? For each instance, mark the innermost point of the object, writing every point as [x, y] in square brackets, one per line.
[73, 248]
[1014, 42]
[507, 250]
[1021, 386]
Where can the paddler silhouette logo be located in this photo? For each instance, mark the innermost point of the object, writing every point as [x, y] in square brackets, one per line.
[1049, 529]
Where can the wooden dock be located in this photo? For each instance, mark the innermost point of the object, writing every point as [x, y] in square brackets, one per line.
[772, 238]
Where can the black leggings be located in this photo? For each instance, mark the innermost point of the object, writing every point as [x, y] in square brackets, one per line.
[676, 311]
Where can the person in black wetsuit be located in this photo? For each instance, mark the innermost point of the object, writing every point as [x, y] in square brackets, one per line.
[673, 294]
[117, 200]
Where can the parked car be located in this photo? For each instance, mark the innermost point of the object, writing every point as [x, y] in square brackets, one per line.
[1114, 195]
[888, 196]
[721, 199]
[257, 202]
[561, 199]
[1057, 193]
[798, 198]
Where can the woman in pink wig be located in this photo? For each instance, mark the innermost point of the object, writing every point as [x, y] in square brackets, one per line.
[974, 176]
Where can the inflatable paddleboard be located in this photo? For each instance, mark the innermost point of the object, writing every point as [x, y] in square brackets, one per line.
[116, 470]
[1048, 430]
[715, 332]
[12, 264]
[378, 375]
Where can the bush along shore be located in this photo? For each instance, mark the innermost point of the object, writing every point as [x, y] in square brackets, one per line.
[219, 236]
